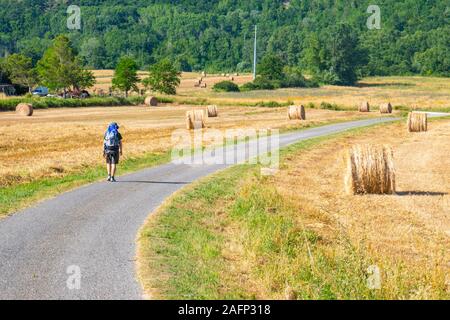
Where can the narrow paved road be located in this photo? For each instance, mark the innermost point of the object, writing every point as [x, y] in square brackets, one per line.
[93, 230]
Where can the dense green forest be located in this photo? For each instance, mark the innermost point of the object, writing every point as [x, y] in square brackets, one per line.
[217, 35]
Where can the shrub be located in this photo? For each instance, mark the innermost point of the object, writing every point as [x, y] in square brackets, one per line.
[330, 106]
[45, 103]
[293, 78]
[273, 104]
[261, 83]
[226, 86]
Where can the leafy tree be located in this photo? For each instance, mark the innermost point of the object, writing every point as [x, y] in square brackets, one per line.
[217, 36]
[125, 75]
[60, 68]
[163, 77]
[340, 61]
[92, 53]
[271, 67]
[433, 61]
[345, 56]
[20, 70]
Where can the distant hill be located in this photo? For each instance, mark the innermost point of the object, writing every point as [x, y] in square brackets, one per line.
[217, 35]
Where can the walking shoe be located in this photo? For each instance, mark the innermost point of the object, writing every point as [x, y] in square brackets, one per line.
[113, 179]
[109, 178]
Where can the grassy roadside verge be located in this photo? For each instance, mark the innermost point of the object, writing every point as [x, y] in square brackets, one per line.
[19, 196]
[214, 238]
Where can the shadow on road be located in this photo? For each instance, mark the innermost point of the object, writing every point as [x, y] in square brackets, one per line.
[156, 182]
[421, 193]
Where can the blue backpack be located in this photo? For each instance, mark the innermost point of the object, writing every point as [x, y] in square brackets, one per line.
[111, 139]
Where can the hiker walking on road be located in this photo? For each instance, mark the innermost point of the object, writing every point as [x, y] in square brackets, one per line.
[112, 149]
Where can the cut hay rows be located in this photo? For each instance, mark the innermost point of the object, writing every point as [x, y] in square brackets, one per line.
[296, 113]
[370, 170]
[386, 108]
[24, 109]
[417, 122]
[364, 107]
[195, 119]
[151, 101]
[212, 111]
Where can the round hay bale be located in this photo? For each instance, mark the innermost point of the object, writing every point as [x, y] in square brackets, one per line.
[151, 101]
[236, 74]
[203, 85]
[231, 78]
[203, 74]
[212, 111]
[364, 107]
[417, 122]
[296, 113]
[386, 108]
[370, 170]
[24, 109]
[223, 74]
[195, 119]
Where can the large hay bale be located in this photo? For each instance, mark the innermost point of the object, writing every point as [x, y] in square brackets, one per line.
[386, 108]
[195, 119]
[151, 101]
[203, 85]
[25, 109]
[203, 74]
[370, 170]
[417, 122]
[231, 78]
[212, 111]
[364, 107]
[296, 113]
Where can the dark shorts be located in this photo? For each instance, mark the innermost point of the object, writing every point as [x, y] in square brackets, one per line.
[112, 156]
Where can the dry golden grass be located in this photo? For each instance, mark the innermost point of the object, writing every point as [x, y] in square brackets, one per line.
[59, 141]
[419, 92]
[298, 235]
[410, 229]
[187, 85]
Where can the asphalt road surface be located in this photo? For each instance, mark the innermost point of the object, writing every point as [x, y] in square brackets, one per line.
[81, 244]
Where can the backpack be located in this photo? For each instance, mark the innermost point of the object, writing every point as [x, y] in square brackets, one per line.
[112, 140]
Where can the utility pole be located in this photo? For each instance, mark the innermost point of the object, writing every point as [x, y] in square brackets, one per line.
[254, 54]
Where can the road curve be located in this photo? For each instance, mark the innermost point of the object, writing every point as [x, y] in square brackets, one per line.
[92, 230]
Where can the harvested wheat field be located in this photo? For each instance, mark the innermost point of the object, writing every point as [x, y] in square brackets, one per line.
[426, 93]
[58, 141]
[409, 231]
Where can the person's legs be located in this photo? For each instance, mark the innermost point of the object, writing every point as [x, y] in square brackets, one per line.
[108, 168]
[113, 170]
[108, 165]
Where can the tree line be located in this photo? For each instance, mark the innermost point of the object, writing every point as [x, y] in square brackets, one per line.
[60, 68]
[217, 35]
